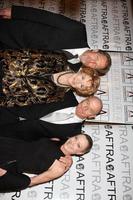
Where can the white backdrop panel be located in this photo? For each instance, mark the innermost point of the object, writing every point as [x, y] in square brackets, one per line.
[116, 90]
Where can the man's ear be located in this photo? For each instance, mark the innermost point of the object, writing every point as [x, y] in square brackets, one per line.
[91, 117]
[81, 153]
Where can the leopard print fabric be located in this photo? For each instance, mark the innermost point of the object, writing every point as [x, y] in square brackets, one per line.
[27, 77]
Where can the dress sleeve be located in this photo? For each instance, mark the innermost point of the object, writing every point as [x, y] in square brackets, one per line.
[13, 182]
[44, 17]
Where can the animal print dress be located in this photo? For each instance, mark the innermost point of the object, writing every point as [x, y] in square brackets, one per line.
[26, 77]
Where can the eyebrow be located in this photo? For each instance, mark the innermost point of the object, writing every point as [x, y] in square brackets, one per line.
[97, 57]
[79, 144]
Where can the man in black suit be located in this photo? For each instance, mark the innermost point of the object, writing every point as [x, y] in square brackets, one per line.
[33, 122]
[27, 27]
[41, 29]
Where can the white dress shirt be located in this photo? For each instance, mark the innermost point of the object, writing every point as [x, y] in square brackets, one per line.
[71, 119]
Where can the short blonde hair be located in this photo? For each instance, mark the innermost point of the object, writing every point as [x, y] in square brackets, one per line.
[89, 90]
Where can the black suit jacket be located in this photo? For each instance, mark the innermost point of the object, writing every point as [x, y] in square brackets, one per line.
[33, 128]
[39, 29]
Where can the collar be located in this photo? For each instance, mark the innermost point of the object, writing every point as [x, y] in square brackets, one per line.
[78, 51]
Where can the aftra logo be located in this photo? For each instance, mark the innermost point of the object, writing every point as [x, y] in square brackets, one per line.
[130, 94]
[99, 92]
[102, 112]
[129, 76]
[128, 59]
[130, 112]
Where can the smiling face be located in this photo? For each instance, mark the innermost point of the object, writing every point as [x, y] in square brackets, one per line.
[94, 59]
[75, 145]
[85, 82]
[80, 81]
[89, 107]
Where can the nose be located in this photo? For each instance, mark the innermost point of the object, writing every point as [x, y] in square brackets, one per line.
[78, 84]
[85, 109]
[86, 82]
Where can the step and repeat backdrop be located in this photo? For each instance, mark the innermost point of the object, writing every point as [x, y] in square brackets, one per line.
[116, 90]
[106, 173]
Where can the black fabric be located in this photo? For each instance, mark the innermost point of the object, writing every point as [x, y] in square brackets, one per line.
[70, 55]
[75, 66]
[30, 130]
[13, 182]
[30, 157]
[33, 128]
[38, 29]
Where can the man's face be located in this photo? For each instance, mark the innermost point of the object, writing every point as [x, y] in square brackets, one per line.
[94, 59]
[85, 109]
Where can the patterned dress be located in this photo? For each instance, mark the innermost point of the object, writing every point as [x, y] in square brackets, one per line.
[26, 77]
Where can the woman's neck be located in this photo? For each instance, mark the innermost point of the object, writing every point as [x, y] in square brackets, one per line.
[62, 78]
[64, 151]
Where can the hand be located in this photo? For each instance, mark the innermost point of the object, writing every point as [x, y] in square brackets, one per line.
[2, 171]
[60, 166]
[5, 13]
[66, 161]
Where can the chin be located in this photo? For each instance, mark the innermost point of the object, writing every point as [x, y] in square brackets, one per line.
[81, 117]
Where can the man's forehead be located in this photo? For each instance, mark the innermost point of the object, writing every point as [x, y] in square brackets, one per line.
[101, 56]
[87, 101]
[92, 105]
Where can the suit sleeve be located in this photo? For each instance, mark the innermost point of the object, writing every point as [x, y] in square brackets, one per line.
[44, 17]
[13, 182]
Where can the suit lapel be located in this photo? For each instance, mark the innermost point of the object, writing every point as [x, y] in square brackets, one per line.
[75, 67]
[60, 130]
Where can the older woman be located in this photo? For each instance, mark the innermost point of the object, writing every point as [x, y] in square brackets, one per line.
[31, 77]
[44, 157]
